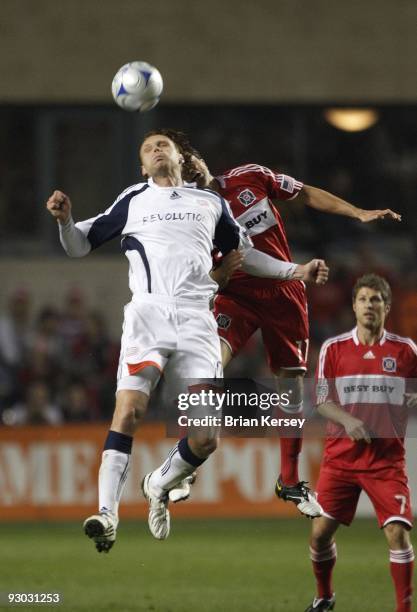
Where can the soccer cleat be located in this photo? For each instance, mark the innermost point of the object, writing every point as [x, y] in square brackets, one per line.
[321, 604]
[158, 517]
[182, 491]
[301, 496]
[102, 529]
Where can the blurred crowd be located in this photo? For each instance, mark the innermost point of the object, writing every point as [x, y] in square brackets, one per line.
[60, 365]
[56, 365]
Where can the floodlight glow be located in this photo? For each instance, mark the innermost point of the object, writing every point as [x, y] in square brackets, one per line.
[351, 119]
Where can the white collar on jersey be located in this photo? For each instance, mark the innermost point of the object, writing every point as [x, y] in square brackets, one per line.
[152, 183]
[356, 339]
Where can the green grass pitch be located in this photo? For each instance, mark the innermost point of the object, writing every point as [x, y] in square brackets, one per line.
[205, 566]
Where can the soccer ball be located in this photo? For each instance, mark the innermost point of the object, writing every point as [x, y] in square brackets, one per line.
[137, 86]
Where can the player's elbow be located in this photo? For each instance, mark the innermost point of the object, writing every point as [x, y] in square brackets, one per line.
[321, 410]
[76, 251]
[308, 195]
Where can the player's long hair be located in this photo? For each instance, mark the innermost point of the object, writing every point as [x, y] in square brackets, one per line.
[373, 281]
[181, 141]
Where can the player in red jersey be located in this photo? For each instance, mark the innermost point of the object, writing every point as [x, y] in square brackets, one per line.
[362, 382]
[247, 303]
[278, 309]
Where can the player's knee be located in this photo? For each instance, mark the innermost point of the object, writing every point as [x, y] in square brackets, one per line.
[208, 446]
[322, 534]
[291, 387]
[397, 535]
[320, 541]
[203, 446]
[130, 407]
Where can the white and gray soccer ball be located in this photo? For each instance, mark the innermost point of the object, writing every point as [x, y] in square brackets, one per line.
[137, 86]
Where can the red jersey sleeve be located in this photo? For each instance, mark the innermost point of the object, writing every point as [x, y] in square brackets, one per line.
[411, 359]
[279, 186]
[325, 375]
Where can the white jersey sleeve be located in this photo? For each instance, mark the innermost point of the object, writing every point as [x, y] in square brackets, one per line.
[73, 240]
[84, 236]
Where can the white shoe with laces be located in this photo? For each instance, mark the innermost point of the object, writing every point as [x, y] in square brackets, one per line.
[158, 517]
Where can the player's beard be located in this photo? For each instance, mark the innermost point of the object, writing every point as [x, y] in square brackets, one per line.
[373, 324]
[162, 169]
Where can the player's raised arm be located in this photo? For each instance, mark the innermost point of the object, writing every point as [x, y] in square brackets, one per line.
[73, 240]
[283, 187]
[78, 239]
[327, 202]
[59, 205]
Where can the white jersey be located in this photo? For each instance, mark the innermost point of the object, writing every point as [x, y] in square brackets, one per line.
[167, 234]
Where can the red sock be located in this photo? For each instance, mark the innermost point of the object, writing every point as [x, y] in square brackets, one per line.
[291, 441]
[290, 449]
[323, 564]
[401, 564]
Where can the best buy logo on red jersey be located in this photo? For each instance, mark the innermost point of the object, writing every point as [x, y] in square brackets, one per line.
[255, 220]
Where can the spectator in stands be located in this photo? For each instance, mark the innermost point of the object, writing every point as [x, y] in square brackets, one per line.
[47, 351]
[15, 329]
[74, 316]
[37, 409]
[14, 337]
[77, 405]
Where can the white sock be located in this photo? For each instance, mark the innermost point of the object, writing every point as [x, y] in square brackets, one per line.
[111, 480]
[174, 469]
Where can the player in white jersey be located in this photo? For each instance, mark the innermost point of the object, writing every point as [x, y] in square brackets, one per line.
[168, 231]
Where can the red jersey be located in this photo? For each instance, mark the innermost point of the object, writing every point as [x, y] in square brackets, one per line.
[249, 190]
[369, 382]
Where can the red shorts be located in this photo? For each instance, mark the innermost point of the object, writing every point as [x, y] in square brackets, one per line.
[338, 493]
[282, 318]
